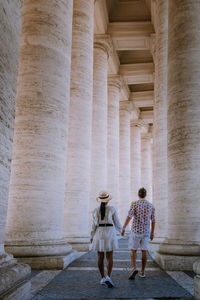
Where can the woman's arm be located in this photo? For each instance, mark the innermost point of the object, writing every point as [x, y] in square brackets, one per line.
[116, 222]
[125, 224]
[94, 226]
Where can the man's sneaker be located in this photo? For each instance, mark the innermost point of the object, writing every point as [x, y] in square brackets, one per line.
[133, 274]
[142, 275]
[109, 282]
[102, 281]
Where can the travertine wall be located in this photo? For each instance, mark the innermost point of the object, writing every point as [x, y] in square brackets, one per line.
[10, 24]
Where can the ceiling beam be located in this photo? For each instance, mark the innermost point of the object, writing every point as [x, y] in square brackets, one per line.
[147, 116]
[131, 35]
[137, 73]
[142, 99]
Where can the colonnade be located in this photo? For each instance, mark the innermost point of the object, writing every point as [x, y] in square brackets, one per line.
[74, 135]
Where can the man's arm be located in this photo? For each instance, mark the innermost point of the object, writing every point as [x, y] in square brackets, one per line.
[125, 224]
[152, 230]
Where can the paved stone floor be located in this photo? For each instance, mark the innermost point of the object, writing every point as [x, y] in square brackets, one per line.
[80, 280]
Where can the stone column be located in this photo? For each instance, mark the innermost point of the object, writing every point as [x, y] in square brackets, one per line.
[36, 197]
[114, 85]
[102, 48]
[76, 211]
[12, 274]
[124, 160]
[182, 247]
[135, 159]
[160, 182]
[146, 167]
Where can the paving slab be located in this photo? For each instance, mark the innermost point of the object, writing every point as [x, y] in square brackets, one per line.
[80, 280]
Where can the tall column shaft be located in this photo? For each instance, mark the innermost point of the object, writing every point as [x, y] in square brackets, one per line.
[183, 135]
[114, 84]
[36, 196]
[160, 182]
[102, 47]
[124, 160]
[76, 211]
[13, 275]
[146, 166]
[10, 21]
[135, 159]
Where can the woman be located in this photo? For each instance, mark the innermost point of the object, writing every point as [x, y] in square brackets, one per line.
[103, 235]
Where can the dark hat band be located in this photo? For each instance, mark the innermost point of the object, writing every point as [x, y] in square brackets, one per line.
[104, 197]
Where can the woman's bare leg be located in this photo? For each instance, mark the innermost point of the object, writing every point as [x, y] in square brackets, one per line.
[101, 263]
[109, 257]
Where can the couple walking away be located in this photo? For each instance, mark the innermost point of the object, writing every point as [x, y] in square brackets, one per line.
[103, 233]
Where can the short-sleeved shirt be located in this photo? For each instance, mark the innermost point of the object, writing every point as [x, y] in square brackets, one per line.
[142, 213]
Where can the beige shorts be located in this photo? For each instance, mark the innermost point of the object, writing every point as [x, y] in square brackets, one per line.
[139, 241]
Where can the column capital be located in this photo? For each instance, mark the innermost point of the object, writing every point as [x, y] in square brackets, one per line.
[115, 80]
[125, 105]
[104, 42]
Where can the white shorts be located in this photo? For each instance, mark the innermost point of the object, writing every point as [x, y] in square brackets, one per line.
[139, 241]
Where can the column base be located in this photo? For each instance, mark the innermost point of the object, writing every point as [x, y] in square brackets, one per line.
[197, 287]
[176, 255]
[196, 269]
[43, 255]
[175, 262]
[14, 284]
[50, 262]
[80, 243]
[154, 247]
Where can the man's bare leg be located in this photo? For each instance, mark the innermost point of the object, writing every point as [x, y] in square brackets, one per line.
[144, 260]
[133, 258]
[133, 262]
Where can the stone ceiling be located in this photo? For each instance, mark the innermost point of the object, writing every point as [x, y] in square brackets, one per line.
[130, 23]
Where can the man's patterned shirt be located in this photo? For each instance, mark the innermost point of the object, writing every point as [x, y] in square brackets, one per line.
[142, 213]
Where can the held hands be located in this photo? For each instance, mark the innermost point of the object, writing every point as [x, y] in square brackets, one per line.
[123, 231]
[91, 240]
[151, 236]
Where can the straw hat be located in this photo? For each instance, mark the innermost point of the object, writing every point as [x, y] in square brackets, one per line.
[104, 197]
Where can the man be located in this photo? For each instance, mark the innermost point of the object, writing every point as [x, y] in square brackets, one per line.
[142, 212]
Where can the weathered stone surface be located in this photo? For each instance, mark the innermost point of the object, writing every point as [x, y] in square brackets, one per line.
[124, 160]
[77, 194]
[196, 269]
[146, 164]
[183, 130]
[13, 279]
[114, 86]
[36, 197]
[10, 25]
[135, 159]
[159, 182]
[98, 175]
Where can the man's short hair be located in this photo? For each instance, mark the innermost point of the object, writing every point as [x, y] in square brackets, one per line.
[142, 193]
